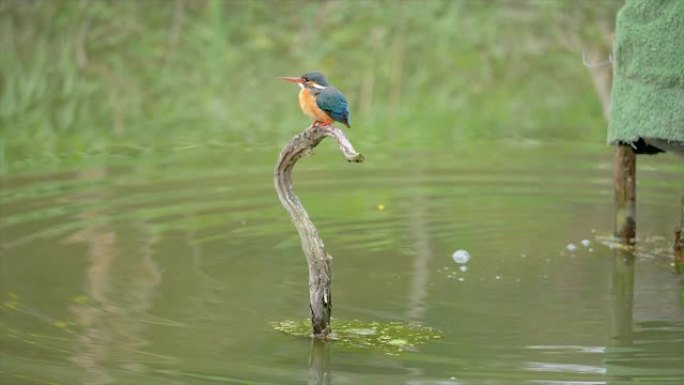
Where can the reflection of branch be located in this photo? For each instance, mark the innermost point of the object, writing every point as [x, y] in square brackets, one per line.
[210, 289]
[120, 291]
[621, 334]
[320, 276]
[319, 362]
[101, 241]
[420, 271]
[623, 296]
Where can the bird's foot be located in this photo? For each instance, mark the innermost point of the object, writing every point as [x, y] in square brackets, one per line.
[318, 123]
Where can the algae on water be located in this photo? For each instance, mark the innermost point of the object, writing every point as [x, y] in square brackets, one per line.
[391, 337]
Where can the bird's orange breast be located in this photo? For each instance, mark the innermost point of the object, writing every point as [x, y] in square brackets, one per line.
[307, 102]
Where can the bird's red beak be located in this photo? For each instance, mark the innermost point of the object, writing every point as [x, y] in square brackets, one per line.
[292, 80]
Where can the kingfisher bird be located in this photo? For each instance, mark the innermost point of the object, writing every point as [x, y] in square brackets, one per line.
[319, 100]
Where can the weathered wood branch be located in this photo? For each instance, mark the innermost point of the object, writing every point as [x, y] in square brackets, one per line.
[320, 275]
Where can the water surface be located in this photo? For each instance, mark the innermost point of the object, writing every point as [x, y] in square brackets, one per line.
[168, 268]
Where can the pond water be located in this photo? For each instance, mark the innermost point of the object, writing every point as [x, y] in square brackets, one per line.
[170, 268]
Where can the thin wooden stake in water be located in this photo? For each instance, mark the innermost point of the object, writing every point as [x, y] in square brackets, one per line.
[320, 274]
[679, 242]
[624, 181]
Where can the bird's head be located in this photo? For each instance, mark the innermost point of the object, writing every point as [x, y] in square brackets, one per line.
[309, 79]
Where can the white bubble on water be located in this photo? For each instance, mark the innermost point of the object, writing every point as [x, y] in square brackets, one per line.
[498, 277]
[586, 242]
[461, 256]
[463, 268]
[571, 247]
[461, 279]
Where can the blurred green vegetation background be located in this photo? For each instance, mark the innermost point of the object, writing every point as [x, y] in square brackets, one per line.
[80, 78]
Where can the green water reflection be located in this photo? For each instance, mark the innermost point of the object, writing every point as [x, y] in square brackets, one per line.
[170, 268]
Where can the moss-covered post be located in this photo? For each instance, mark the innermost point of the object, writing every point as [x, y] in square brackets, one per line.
[624, 183]
[647, 94]
[319, 262]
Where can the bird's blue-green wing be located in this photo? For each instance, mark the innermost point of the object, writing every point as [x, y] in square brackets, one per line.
[334, 104]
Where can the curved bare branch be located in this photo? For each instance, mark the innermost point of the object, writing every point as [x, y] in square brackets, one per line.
[320, 274]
